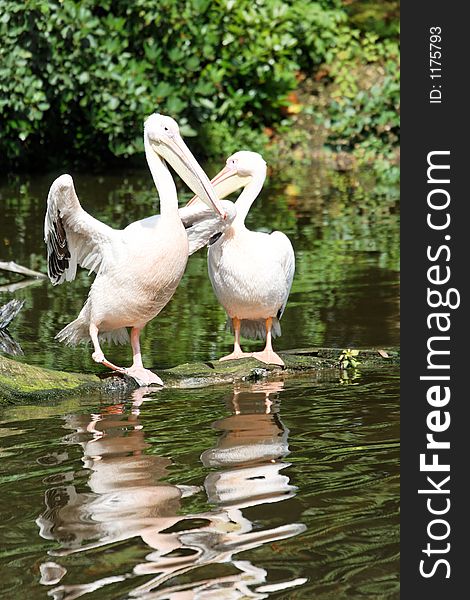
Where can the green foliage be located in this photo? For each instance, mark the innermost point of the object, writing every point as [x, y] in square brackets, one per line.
[78, 77]
[381, 17]
[365, 98]
[348, 359]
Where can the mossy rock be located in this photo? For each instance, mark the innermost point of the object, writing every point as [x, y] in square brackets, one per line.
[318, 362]
[20, 383]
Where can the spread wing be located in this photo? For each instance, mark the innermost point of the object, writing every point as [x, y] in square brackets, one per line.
[73, 236]
[287, 257]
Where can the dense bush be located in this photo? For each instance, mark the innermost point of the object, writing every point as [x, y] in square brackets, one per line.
[364, 110]
[77, 77]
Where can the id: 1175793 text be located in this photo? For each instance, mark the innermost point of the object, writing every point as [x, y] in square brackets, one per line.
[435, 55]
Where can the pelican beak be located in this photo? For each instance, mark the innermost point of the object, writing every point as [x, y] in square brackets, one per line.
[179, 156]
[225, 183]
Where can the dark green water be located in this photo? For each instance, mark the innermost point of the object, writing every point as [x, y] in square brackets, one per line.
[345, 290]
[282, 490]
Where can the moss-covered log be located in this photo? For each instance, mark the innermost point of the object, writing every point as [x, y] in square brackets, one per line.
[20, 382]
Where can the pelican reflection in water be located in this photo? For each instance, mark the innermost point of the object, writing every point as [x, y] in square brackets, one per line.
[128, 499]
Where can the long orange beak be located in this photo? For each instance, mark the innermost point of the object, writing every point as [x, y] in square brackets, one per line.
[221, 176]
[180, 157]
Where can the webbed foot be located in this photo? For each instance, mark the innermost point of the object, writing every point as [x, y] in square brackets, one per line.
[143, 376]
[269, 357]
[235, 355]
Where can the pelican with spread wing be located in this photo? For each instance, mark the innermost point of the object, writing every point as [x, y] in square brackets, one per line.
[137, 268]
[251, 272]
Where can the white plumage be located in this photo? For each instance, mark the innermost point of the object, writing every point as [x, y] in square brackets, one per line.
[138, 268]
[200, 222]
[251, 272]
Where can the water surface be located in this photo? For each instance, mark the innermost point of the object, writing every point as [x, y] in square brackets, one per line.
[345, 290]
[285, 490]
[268, 490]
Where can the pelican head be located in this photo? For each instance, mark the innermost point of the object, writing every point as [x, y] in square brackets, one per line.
[239, 169]
[162, 136]
[246, 163]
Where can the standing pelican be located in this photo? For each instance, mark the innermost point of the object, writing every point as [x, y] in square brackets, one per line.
[138, 268]
[251, 272]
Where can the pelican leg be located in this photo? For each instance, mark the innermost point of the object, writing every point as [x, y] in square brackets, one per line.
[137, 371]
[237, 351]
[98, 355]
[268, 355]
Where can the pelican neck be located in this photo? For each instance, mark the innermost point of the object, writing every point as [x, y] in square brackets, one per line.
[247, 197]
[163, 180]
